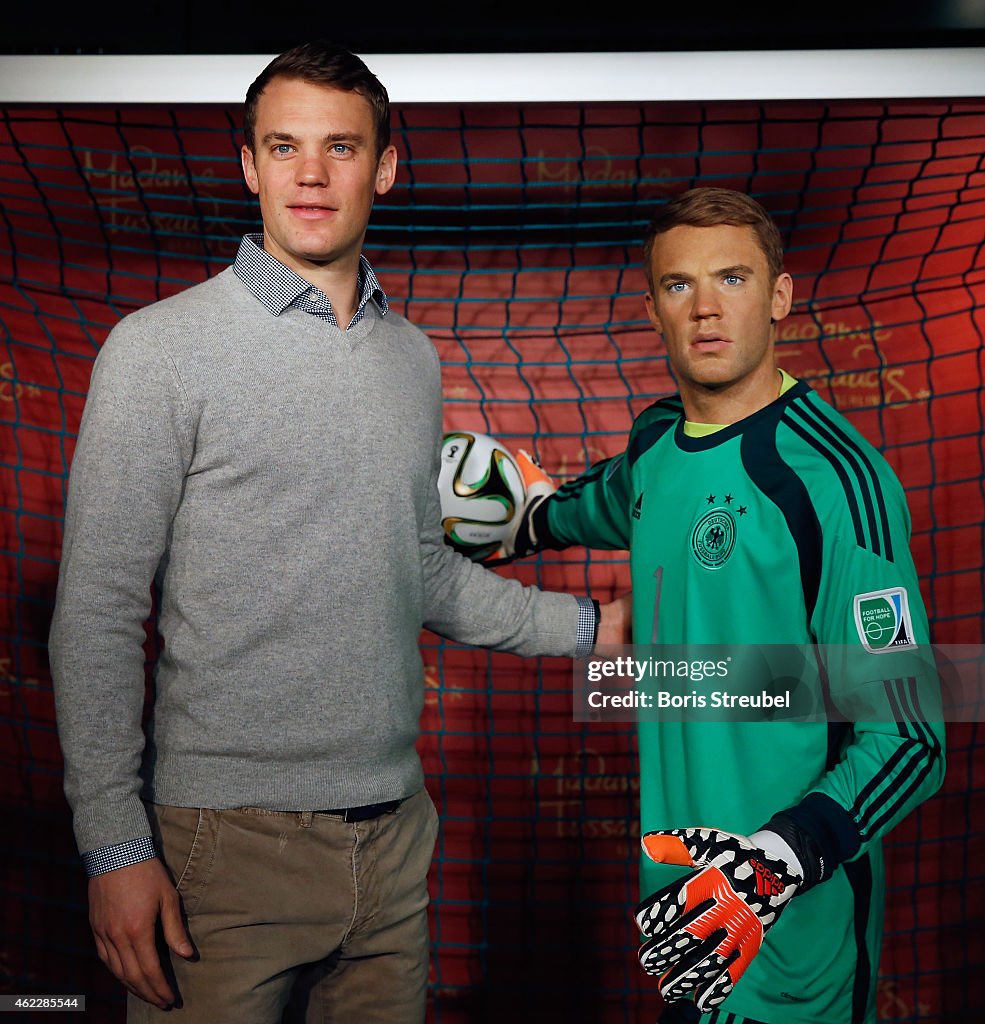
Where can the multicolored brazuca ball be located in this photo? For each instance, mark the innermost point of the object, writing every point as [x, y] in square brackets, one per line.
[481, 493]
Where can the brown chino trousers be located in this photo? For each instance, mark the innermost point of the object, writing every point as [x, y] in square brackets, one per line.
[298, 916]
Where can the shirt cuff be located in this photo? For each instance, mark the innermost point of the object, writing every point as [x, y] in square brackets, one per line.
[109, 858]
[588, 626]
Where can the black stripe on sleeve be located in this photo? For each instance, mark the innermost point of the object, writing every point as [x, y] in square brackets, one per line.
[859, 873]
[846, 484]
[814, 423]
[863, 457]
[925, 756]
[889, 766]
[571, 490]
[640, 442]
[857, 460]
[787, 491]
[914, 759]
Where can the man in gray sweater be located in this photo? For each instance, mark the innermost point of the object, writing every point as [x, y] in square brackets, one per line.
[264, 446]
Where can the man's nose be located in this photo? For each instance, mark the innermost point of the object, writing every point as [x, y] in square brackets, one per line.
[313, 169]
[706, 302]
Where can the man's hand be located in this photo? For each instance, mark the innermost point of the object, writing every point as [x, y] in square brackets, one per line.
[616, 621]
[705, 928]
[124, 906]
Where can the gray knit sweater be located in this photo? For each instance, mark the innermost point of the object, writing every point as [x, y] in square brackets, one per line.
[277, 475]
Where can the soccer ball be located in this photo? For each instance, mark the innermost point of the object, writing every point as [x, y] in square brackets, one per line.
[481, 493]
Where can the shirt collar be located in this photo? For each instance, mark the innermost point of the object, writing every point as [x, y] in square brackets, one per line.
[278, 287]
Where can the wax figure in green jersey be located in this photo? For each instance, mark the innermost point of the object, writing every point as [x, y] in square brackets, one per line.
[755, 514]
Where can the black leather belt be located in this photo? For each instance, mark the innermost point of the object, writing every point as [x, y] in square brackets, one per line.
[365, 813]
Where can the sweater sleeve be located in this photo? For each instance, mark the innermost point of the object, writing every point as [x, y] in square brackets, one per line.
[468, 603]
[471, 604]
[134, 447]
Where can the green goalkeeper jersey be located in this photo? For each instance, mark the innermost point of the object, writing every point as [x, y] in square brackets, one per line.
[787, 527]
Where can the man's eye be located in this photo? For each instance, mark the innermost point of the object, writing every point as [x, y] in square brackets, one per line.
[282, 149]
[677, 286]
[341, 149]
[733, 279]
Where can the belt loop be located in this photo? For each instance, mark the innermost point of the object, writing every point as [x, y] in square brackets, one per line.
[304, 818]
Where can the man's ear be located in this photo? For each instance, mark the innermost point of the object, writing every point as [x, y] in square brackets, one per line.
[651, 312]
[782, 297]
[386, 172]
[249, 170]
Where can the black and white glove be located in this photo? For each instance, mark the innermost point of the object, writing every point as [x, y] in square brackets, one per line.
[538, 487]
[704, 930]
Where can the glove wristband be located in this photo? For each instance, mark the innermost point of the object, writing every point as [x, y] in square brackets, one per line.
[533, 533]
[803, 845]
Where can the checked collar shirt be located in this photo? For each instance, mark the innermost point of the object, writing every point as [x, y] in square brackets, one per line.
[279, 288]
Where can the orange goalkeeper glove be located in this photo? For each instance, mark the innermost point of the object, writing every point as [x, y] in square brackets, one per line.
[537, 488]
[704, 929]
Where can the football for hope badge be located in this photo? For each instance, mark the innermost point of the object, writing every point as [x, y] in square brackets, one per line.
[882, 619]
